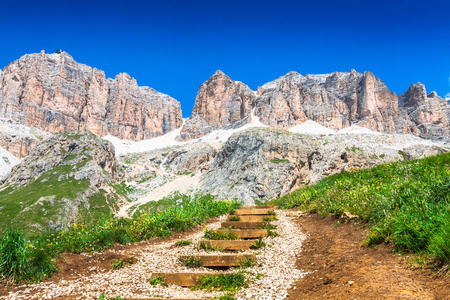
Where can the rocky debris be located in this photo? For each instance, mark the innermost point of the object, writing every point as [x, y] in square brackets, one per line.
[19, 139]
[263, 164]
[54, 93]
[180, 159]
[220, 102]
[89, 156]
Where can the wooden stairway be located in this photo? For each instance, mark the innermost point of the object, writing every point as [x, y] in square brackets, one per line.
[248, 229]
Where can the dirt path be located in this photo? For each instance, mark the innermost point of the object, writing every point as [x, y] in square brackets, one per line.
[342, 269]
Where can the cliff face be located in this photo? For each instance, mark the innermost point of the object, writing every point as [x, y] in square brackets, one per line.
[220, 102]
[54, 93]
[335, 100]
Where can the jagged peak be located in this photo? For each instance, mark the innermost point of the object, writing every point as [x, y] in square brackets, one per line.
[433, 94]
[219, 73]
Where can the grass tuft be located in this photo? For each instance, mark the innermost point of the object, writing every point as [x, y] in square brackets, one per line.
[191, 261]
[182, 243]
[215, 235]
[222, 282]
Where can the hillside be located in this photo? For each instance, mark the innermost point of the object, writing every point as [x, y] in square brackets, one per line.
[406, 203]
[64, 178]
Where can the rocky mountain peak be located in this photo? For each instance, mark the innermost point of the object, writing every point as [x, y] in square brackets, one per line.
[54, 93]
[220, 102]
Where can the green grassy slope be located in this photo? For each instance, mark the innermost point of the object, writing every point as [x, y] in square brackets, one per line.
[406, 203]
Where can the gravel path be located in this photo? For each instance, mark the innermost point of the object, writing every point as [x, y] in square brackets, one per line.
[276, 263]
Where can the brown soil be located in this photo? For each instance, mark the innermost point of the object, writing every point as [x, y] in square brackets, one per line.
[342, 269]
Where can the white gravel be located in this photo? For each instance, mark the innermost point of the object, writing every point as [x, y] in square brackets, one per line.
[276, 263]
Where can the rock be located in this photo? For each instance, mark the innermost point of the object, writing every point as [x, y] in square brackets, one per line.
[19, 139]
[220, 102]
[336, 101]
[263, 164]
[54, 93]
[429, 113]
[68, 149]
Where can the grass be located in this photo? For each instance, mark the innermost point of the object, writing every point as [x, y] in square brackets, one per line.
[278, 161]
[247, 262]
[159, 279]
[259, 243]
[268, 219]
[406, 203]
[191, 261]
[39, 202]
[103, 297]
[207, 247]
[182, 243]
[222, 282]
[215, 235]
[21, 261]
[234, 218]
[97, 236]
[120, 263]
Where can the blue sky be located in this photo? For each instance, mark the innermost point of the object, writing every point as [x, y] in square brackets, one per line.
[174, 46]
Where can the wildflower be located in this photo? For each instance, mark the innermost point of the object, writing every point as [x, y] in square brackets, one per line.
[30, 245]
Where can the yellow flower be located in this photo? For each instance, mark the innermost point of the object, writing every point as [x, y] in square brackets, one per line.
[74, 224]
[30, 245]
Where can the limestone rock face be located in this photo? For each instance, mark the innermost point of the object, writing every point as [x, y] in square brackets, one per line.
[54, 93]
[220, 102]
[337, 100]
[429, 113]
[334, 100]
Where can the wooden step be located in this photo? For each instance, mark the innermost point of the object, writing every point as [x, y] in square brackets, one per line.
[182, 279]
[250, 218]
[252, 211]
[222, 260]
[230, 245]
[243, 225]
[257, 206]
[246, 233]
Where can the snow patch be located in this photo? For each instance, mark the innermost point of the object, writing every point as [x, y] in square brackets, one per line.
[311, 127]
[355, 129]
[169, 139]
[7, 162]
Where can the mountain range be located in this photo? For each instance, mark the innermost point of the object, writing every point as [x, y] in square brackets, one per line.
[54, 93]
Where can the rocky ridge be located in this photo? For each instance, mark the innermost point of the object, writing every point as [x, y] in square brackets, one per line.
[220, 101]
[54, 93]
[337, 100]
